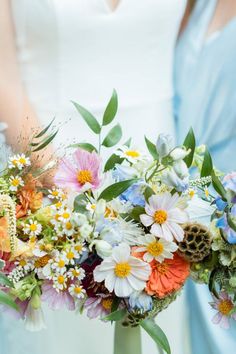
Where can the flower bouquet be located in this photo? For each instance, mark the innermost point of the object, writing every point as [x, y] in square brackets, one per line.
[117, 239]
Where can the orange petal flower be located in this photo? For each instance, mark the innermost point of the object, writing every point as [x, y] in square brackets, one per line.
[168, 276]
[4, 237]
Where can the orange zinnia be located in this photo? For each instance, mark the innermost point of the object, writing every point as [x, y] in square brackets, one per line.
[168, 276]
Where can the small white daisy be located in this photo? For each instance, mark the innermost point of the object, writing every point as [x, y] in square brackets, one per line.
[76, 273]
[60, 282]
[56, 193]
[15, 183]
[59, 264]
[77, 291]
[24, 264]
[32, 228]
[158, 249]
[19, 161]
[79, 248]
[68, 228]
[133, 155]
[65, 215]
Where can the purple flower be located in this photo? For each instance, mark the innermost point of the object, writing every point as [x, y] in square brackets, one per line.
[222, 224]
[56, 299]
[98, 306]
[224, 305]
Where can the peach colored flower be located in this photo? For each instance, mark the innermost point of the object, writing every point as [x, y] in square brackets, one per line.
[4, 237]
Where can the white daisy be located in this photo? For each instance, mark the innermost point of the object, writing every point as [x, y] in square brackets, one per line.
[158, 249]
[60, 282]
[65, 215]
[24, 265]
[133, 154]
[164, 217]
[77, 291]
[78, 249]
[68, 228]
[56, 193]
[19, 161]
[76, 273]
[32, 228]
[122, 272]
[15, 183]
[60, 262]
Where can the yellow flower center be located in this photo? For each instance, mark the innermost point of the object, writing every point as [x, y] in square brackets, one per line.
[191, 193]
[68, 226]
[110, 213]
[122, 270]
[22, 160]
[15, 182]
[75, 273]
[107, 303]
[22, 263]
[225, 306]
[55, 193]
[84, 176]
[77, 290]
[33, 227]
[61, 263]
[65, 215]
[155, 248]
[15, 162]
[70, 255]
[58, 205]
[61, 279]
[160, 217]
[78, 248]
[132, 153]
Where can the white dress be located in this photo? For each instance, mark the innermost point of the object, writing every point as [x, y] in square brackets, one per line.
[80, 50]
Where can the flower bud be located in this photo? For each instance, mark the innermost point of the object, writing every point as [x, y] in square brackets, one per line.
[164, 144]
[179, 153]
[103, 248]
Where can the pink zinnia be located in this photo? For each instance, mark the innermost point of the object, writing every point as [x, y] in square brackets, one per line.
[56, 299]
[224, 305]
[80, 174]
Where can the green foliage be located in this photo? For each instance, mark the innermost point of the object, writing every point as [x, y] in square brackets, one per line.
[116, 189]
[190, 143]
[157, 334]
[111, 109]
[113, 137]
[152, 149]
[116, 315]
[207, 165]
[80, 203]
[88, 118]
[85, 146]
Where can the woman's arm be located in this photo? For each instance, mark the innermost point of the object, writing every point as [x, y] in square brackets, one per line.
[15, 108]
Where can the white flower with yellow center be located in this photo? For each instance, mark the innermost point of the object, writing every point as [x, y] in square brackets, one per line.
[65, 215]
[56, 193]
[32, 228]
[78, 249]
[60, 262]
[19, 161]
[68, 228]
[77, 291]
[76, 273]
[15, 182]
[70, 255]
[133, 154]
[156, 249]
[122, 272]
[24, 264]
[60, 282]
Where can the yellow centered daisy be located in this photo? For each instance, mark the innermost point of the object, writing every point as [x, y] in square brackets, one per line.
[75, 273]
[106, 304]
[77, 290]
[191, 193]
[61, 263]
[68, 225]
[155, 248]
[58, 205]
[22, 263]
[225, 307]
[66, 215]
[132, 153]
[15, 162]
[61, 279]
[22, 160]
[15, 182]
[78, 248]
[70, 255]
[33, 227]
[55, 193]
[84, 176]
[160, 217]
[122, 270]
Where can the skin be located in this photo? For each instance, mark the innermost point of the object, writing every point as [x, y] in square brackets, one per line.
[113, 4]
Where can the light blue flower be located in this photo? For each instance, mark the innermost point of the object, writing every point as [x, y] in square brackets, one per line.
[122, 173]
[164, 145]
[222, 224]
[135, 194]
[140, 301]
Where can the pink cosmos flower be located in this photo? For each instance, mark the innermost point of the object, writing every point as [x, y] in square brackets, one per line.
[98, 306]
[80, 174]
[56, 299]
[164, 216]
[224, 305]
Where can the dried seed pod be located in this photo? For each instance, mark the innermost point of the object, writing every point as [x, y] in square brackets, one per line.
[196, 244]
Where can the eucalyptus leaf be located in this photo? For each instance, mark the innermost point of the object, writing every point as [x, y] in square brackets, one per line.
[111, 109]
[152, 148]
[113, 137]
[6, 299]
[85, 146]
[190, 143]
[116, 189]
[116, 315]
[157, 334]
[207, 165]
[88, 118]
[2, 262]
[112, 161]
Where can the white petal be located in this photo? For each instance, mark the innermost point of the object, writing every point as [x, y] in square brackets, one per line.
[110, 281]
[177, 231]
[121, 253]
[136, 283]
[167, 234]
[147, 257]
[122, 287]
[150, 238]
[157, 230]
[178, 216]
[146, 220]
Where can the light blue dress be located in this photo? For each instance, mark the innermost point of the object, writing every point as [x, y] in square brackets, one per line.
[205, 84]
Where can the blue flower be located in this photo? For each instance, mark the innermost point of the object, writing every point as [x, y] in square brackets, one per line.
[222, 224]
[220, 204]
[135, 194]
[140, 301]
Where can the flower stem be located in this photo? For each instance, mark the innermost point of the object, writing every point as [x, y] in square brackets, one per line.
[127, 339]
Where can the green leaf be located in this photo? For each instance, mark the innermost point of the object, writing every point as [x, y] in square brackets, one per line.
[218, 186]
[128, 142]
[231, 222]
[116, 315]
[152, 149]
[148, 193]
[157, 334]
[88, 118]
[80, 203]
[207, 165]
[113, 137]
[112, 161]
[190, 143]
[116, 189]
[136, 212]
[111, 109]
[44, 131]
[85, 146]
[5, 281]
[45, 142]
[115, 304]
[7, 300]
